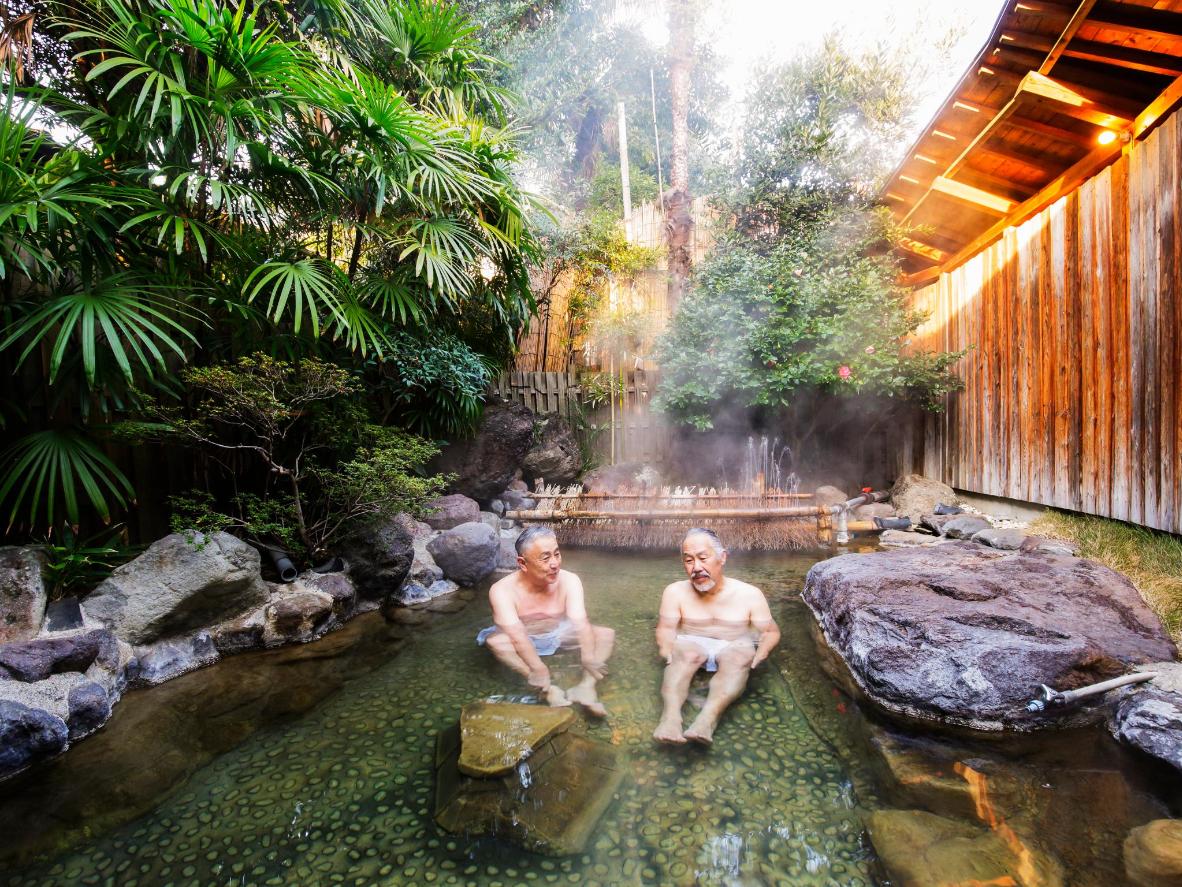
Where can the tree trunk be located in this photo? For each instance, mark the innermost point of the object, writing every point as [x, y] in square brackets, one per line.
[679, 222]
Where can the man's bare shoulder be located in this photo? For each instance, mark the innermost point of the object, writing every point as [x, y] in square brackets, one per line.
[744, 590]
[505, 586]
[567, 579]
[676, 590]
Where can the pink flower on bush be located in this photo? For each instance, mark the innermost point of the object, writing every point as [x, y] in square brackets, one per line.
[844, 372]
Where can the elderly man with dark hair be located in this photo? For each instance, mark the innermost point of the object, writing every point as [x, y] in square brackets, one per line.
[539, 609]
[708, 621]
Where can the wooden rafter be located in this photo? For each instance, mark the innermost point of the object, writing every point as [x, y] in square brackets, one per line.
[1067, 35]
[1050, 131]
[978, 197]
[1125, 57]
[1074, 101]
[1000, 151]
[923, 250]
[988, 181]
[1135, 21]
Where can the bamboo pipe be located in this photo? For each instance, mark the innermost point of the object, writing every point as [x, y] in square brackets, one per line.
[671, 513]
[668, 496]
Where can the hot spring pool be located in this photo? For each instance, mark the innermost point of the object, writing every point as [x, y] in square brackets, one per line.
[313, 765]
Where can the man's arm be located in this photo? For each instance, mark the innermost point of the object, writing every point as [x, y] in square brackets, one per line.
[576, 614]
[506, 619]
[668, 618]
[769, 632]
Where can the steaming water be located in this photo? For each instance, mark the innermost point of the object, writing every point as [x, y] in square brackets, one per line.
[257, 772]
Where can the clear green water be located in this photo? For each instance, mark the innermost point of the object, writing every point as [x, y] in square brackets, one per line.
[258, 771]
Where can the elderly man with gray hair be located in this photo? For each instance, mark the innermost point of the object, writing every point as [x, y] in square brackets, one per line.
[540, 608]
[708, 621]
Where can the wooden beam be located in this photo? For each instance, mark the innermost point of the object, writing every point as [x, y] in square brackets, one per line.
[1125, 57]
[925, 251]
[978, 197]
[990, 182]
[1073, 101]
[1025, 40]
[1050, 131]
[1158, 109]
[1030, 161]
[920, 278]
[1066, 35]
[1041, 9]
[1137, 21]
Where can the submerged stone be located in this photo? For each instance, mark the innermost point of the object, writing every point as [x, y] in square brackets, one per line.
[548, 803]
[920, 849]
[1153, 854]
[495, 736]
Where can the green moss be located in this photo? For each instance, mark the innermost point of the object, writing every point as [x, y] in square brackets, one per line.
[1151, 559]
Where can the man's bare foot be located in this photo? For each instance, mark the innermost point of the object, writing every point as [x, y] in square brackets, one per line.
[700, 731]
[669, 730]
[555, 697]
[585, 697]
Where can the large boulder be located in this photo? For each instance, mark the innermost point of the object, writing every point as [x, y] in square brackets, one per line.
[489, 461]
[537, 783]
[466, 553]
[379, 556]
[962, 634]
[181, 583]
[28, 735]
[451, 511]
[89, 707]
[965, 526]
[36, 660]
[297, 615]
[555, 457]
[22, 593]
[914, 495]
[170, 658]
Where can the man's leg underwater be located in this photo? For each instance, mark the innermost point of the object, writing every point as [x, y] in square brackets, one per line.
[687, 659]
[727, 685]
[584, 692]
[502, 648]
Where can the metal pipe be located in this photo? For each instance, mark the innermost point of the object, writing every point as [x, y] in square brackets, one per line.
[1055, 697]
[283, 564]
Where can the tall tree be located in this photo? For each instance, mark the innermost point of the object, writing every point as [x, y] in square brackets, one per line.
[679, 222]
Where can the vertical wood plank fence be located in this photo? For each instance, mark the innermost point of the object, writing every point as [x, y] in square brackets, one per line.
[628, 431]
[1074, 319]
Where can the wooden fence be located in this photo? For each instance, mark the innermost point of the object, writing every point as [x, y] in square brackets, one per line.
[623, 429]
[1075, 323]
[555, 343]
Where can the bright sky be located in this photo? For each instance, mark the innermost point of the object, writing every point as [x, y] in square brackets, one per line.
[743, 32]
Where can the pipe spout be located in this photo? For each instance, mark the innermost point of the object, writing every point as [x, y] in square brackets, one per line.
[1049, 696]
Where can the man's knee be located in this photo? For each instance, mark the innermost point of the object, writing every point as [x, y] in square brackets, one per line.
[605, 635]
[499, 643]
[736, 658]
[688, 654]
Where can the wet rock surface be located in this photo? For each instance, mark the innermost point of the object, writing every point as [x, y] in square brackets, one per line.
[965, 526]
[451, 511]
[156, 663]
[555, 458]
[914, 495]
[515, 771]
[905, 538]
[467, 553]
[1153, 854]
[177, 585]
[494, 737]
[22, 593]
[1006, 540]
[486, 463]
[962, 634]
[1151, 720]
[379, 557]
[27, 735]
[38, 659]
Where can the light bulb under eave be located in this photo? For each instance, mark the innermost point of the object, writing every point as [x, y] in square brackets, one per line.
[1107, 137]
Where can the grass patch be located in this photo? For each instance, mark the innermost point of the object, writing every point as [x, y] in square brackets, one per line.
[1151, 559]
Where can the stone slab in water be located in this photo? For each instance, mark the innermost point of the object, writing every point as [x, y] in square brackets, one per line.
[920, 849]
[963, 634]
[549, 804]
[1153, 854]
[495, 736]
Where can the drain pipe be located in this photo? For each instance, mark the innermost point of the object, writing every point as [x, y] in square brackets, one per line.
[1055, 697]
[842, 510]
[283, 564]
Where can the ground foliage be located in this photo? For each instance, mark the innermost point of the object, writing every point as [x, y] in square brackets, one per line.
[188, 181]
[799, 295]
[303, 429]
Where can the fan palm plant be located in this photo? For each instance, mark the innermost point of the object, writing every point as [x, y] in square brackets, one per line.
[237, 175]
